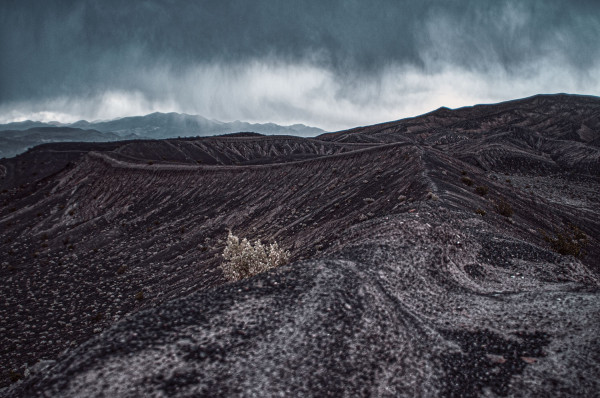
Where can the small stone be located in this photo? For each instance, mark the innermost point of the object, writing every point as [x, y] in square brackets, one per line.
[496, 358]
[529, 360]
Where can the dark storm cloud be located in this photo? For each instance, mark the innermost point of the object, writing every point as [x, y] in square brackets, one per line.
[81, 49]
[68, 46]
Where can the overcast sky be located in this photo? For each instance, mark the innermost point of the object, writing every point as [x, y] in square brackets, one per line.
[330, 64]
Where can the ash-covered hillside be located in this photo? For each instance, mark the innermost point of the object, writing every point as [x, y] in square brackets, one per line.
[451, 254]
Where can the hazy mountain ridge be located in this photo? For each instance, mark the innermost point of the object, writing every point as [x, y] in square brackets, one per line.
[14, 142]
[161, 125]
[406, 279]
[17, 137]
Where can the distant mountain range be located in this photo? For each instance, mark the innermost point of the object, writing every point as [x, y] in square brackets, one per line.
[14, 142]
[17, 137]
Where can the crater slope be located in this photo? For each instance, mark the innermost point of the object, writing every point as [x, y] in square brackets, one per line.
[424, 261]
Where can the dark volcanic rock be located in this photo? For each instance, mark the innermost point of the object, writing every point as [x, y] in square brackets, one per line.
[397, 287]
[394, 314]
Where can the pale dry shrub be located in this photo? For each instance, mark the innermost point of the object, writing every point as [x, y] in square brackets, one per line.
[243, 259]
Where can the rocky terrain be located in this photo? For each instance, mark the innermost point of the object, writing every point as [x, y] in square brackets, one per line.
[451, 254]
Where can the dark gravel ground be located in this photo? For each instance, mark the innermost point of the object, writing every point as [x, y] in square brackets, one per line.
[393, 314]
